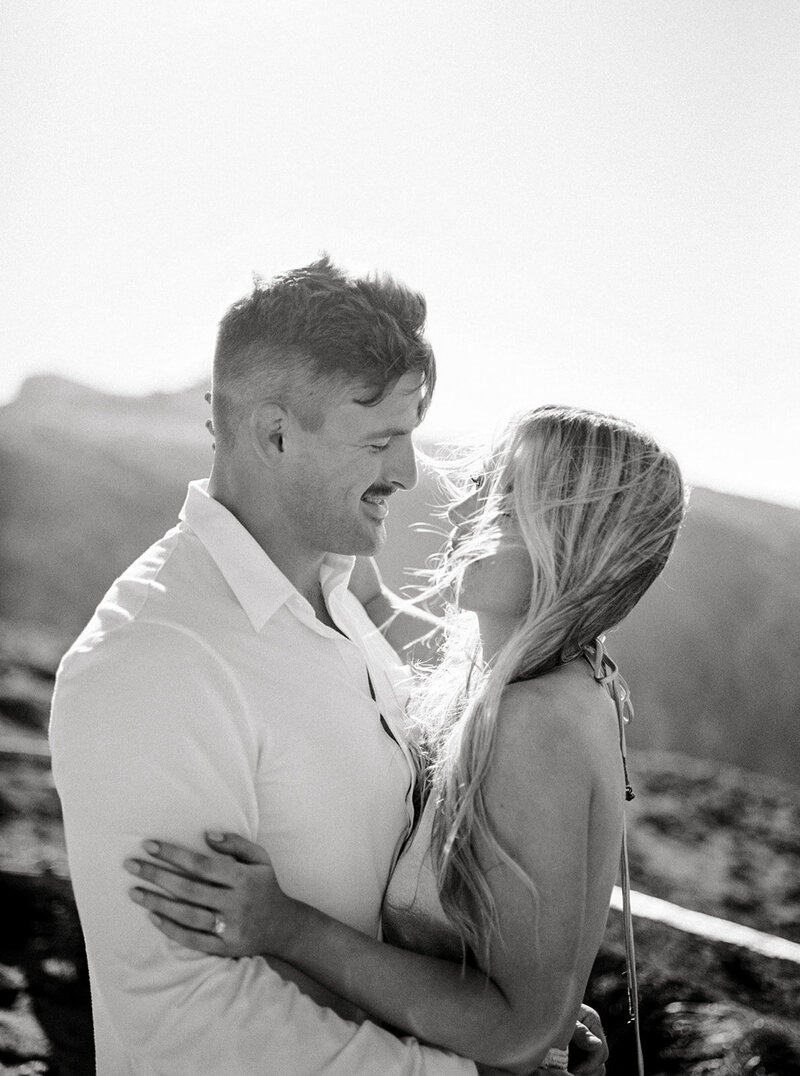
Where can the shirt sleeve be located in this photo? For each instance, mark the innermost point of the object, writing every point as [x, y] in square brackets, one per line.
[150, 739]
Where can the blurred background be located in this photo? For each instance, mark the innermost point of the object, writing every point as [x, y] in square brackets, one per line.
[600, 205]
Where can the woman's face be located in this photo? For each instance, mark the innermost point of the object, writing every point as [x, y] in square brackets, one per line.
[500, 582]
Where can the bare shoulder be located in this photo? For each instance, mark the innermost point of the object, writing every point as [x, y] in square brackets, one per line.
[566, 701]
[562, 722]
[555, 767]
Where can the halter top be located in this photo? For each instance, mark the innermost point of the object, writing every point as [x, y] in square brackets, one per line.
[413, 917]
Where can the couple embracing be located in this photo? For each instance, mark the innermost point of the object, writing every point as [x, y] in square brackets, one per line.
[291, 854]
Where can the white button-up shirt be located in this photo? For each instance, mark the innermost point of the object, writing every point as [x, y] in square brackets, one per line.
[205, 694]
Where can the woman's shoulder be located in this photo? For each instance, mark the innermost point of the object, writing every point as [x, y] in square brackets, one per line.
[555, 748]
[559, 714]
[568, 693]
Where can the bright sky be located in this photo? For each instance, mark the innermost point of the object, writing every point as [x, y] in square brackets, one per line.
[600, 201]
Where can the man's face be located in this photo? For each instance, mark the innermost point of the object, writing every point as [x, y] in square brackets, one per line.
[336, 480]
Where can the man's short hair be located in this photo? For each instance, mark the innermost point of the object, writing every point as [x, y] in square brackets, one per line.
[305, 336]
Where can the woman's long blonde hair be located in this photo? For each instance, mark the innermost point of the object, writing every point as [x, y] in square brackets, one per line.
[598, 504]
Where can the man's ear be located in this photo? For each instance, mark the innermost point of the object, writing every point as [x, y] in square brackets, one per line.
[268, 423]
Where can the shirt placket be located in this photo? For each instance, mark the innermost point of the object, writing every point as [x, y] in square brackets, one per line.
[379, 688]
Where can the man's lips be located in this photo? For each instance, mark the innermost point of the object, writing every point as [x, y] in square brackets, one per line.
[376, 505]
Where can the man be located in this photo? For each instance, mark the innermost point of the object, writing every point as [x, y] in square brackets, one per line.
[230, 680]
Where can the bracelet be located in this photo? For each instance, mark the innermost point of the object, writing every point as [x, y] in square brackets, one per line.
[556, 1060]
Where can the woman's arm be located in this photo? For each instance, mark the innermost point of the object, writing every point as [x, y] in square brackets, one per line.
[538, 793]
[236, 912]
[412, 632]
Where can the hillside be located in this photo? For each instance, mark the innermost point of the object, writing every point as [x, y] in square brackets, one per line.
[88, 480]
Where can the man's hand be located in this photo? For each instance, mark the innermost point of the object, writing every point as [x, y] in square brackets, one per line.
[588, 1049]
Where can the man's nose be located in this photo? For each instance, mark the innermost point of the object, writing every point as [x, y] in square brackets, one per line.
[403, 471]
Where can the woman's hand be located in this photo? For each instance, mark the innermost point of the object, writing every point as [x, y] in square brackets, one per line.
[588, 1047]
[228, 904]
[365, 580]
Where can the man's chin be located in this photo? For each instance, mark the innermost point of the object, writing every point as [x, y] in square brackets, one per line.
[374, 541]
[366, 543]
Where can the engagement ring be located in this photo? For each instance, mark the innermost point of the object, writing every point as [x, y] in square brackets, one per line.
[219, 925]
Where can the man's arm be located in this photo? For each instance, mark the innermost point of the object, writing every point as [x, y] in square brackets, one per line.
[149, 736]
[412, 632]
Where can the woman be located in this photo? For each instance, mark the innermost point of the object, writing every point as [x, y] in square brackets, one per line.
[498, 905]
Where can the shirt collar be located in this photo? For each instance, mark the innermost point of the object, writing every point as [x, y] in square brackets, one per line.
[335, 573]
[258, 584]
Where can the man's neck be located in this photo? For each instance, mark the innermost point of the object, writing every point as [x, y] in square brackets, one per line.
[300, 568]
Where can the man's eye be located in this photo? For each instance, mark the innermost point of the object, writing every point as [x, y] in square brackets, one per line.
[381, 447]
